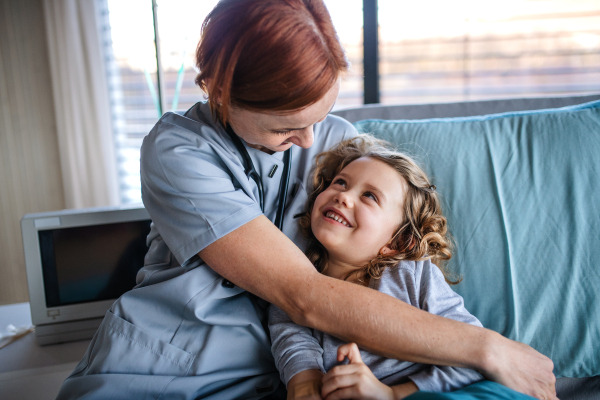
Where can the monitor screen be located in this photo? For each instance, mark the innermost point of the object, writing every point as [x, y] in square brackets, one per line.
[91, 263]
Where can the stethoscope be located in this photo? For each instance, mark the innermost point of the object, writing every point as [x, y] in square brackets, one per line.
[252, 173]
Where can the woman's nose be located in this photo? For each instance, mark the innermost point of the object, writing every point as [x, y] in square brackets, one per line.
[303, 138]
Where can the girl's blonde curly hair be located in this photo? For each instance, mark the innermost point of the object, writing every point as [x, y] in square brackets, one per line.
[422, 235]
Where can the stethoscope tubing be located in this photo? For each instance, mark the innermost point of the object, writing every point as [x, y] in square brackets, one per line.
[283, 187]
[252, 173]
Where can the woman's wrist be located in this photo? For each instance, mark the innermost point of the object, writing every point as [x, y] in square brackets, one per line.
[486, 361]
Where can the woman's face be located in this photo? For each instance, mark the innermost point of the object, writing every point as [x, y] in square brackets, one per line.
[273, 132]
[357, 215]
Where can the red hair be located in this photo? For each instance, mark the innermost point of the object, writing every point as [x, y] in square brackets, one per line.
[268, 55]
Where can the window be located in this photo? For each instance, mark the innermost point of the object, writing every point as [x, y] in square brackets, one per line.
[347, 17]
[415, 52]
[131, 67]
[179, 23]
[439, 51]
[136, 96]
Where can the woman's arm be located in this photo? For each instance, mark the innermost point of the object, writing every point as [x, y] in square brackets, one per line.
[434, 295]
[262, 260]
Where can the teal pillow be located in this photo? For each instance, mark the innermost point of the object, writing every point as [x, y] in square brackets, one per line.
[521, 192]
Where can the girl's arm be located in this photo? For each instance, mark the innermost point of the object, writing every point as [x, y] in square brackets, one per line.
[262, 260]
[305, 385]
[404, 390]
[294, 347]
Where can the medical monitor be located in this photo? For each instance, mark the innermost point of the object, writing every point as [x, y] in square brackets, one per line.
[78, 263]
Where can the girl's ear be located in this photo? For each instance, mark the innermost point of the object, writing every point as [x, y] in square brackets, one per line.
[408, 242]
[387, 251]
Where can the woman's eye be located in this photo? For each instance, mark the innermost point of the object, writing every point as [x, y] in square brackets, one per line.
[370, 195]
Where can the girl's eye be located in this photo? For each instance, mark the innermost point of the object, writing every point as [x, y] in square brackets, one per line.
[282, 132]
[371, 195]
[339, 181]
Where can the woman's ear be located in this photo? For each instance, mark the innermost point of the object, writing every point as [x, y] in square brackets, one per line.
[213, 93]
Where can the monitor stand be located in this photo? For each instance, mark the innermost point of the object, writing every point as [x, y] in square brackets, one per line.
[62, 332]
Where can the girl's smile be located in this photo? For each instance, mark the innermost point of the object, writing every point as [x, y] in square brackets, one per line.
[360, 211]
[334, 215]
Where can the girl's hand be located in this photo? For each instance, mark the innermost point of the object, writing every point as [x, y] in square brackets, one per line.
[353, 381]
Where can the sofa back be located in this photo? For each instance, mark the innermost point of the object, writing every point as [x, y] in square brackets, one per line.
[459, 109]
[521, 192]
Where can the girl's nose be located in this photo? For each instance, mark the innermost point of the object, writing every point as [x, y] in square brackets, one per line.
[345, 199]
[303, 138]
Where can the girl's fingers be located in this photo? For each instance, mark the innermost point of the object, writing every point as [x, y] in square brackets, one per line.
[351, 351]
[354, 380]
[338, 383]
[341, 370]
[345, 393]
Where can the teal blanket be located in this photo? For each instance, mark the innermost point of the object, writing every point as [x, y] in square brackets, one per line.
[479, 391]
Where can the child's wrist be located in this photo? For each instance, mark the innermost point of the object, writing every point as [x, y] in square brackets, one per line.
[305, 384]
[404, 390]
[306, 389]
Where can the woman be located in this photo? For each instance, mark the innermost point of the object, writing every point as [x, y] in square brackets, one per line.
[193, 326]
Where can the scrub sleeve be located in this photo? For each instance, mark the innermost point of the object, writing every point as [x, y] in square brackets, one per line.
[184, 332]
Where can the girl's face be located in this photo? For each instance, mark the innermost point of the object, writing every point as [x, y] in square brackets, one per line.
[357, 215]
[273, 132]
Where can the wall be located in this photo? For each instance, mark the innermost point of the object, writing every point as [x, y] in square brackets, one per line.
[30, 179]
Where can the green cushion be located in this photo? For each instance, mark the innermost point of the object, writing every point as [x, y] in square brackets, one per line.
[521, 192]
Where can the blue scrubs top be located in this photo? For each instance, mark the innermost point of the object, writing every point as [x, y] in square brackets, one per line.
[184, 332]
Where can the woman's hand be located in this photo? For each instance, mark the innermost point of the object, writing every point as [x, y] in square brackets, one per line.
[521, 368]
[354, 380]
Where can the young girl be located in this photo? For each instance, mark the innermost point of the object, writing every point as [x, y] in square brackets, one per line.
[375, 219]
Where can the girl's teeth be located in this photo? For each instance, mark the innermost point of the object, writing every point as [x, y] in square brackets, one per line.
[335, 217]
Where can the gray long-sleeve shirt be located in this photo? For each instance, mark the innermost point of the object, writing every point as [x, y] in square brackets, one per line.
[418, 283]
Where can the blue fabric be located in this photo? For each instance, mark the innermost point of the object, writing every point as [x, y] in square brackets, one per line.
[478, 391]
[184, 333]
[418, 283]
[522, 195]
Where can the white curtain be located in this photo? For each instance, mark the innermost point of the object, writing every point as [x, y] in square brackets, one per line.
[82, 106]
